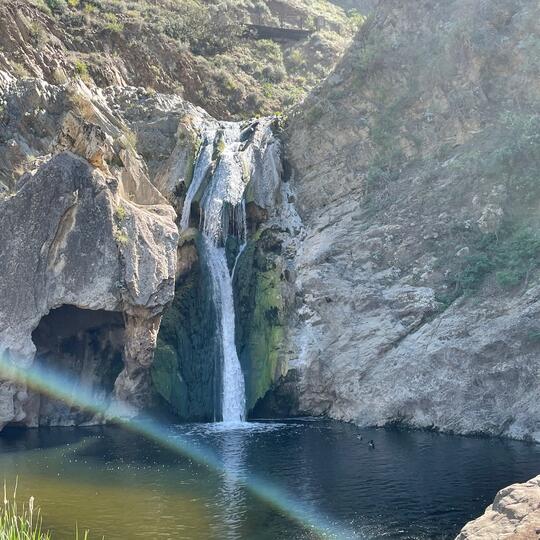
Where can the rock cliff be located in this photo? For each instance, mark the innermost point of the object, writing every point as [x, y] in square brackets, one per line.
[89, 251]
[415, 171]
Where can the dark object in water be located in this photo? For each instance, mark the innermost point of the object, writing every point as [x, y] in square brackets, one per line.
[371, 444]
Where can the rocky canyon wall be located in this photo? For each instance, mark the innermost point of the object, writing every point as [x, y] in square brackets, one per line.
[83, 229]
[416, 176]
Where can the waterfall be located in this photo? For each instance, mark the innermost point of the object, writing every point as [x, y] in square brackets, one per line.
[233, 393]
[230, 158]
[224, 191]
[203, 162]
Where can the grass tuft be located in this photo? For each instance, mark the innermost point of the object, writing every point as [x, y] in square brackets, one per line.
[24, 522]
[20, 523]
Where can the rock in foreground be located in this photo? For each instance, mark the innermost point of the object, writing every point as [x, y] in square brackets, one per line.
[515, 513]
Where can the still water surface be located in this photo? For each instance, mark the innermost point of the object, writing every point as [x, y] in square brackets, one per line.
[413, 485]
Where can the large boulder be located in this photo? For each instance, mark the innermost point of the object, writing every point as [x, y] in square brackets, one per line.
[68, 238]
[515, 514]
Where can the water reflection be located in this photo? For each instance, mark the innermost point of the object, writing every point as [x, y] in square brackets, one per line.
[120, 485]
[232, 495]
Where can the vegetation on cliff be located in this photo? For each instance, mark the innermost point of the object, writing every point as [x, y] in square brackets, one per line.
[184, 372]
[195, 48]
[447, 104]
[260, 310]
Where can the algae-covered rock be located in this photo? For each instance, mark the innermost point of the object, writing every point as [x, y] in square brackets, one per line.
[185, 373]
[260, 317]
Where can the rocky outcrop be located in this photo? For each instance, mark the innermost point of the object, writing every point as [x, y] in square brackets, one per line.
[72, 240]
[83, 228]
[515, 514]
[260, 309]
[417, 275]
[407, 291]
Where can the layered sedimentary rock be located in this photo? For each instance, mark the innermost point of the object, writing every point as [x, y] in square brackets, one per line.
[515, 513]
[82, 229]
[416, 178]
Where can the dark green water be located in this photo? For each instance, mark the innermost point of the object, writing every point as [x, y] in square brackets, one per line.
[414, 485]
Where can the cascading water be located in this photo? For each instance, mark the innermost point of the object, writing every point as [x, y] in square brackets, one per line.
[233, 393]
[229, 158]
[202, 166]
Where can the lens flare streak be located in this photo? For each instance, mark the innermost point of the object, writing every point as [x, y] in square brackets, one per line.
[55, 385]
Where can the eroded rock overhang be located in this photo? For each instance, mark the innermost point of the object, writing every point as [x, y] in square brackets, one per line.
[84, 227]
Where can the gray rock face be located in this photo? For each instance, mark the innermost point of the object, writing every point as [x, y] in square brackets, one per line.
[413, 304]
[515, 513]
[68, 238]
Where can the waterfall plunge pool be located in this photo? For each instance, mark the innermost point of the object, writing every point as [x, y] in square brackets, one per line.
[414, 485]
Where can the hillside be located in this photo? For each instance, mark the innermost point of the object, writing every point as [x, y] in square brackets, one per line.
[193, 48]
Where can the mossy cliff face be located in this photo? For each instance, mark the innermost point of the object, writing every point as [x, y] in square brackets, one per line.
[185, 374]
[260, 313]
[186, 371]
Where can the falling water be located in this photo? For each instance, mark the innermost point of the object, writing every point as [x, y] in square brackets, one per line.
[230, 158]
[233, 395]
[202, 166]
[223, 208]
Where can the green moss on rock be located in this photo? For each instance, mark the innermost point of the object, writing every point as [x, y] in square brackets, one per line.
[259, 315]
[184, 373]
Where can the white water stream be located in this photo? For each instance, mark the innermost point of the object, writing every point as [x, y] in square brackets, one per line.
[233, 403]
[229, 158]
[222, 209]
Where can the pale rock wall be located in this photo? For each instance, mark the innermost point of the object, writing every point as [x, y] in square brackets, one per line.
[82, 225]
[515, 514]
[400, 184]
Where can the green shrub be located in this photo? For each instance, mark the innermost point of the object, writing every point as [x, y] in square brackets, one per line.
[19, 70]
[121, 237]
[82, 69]
[56, 6]
[113, 24]
[313, 114]
[120, 213]
[90, 8]
[356, 19]
[296, 59]
[476, 267]
[511, 259]
[37, 33]
[514, 159]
